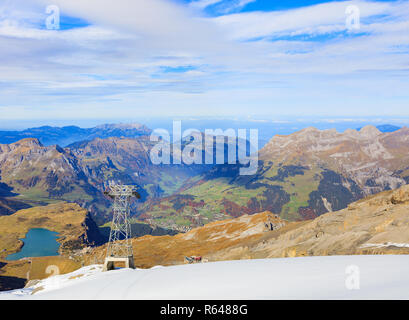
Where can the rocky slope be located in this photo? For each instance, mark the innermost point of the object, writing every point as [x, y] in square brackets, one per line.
[375, 161]
[214, 237]
[27, 164]
[34, 175]
[376, 225]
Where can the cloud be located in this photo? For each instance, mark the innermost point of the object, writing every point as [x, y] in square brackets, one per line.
[163, 57]
[151, 18]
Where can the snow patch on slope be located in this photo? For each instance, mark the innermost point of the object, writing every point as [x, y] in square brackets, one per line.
[384, 245]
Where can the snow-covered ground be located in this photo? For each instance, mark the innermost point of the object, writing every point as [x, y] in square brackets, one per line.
[335, 277]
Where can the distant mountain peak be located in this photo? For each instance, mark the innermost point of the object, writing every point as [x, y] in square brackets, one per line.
[309, 129]
[28, 142]
[123, 126]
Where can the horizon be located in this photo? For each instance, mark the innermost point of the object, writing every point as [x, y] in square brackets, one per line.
[324, 123]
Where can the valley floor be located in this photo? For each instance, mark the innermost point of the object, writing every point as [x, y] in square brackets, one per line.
[332, 277]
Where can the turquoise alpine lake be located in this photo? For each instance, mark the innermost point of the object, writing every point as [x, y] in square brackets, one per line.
[37, 243]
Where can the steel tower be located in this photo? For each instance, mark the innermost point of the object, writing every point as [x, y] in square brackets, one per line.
[120, 245]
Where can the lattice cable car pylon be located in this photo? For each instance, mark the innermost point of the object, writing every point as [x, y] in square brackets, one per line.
[120, 245]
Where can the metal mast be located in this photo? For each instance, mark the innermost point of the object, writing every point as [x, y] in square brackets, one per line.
[120, 245]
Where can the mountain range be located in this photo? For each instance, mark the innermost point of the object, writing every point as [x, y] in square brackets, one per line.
[300, 176]
[64, 136]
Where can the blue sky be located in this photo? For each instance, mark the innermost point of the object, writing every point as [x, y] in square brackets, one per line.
[248, 58]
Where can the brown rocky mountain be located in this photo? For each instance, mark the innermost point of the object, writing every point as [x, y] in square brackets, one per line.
[41, 173]
[32, 174]
[375, 161]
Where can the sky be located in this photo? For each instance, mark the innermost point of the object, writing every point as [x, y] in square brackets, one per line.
[263, 59]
